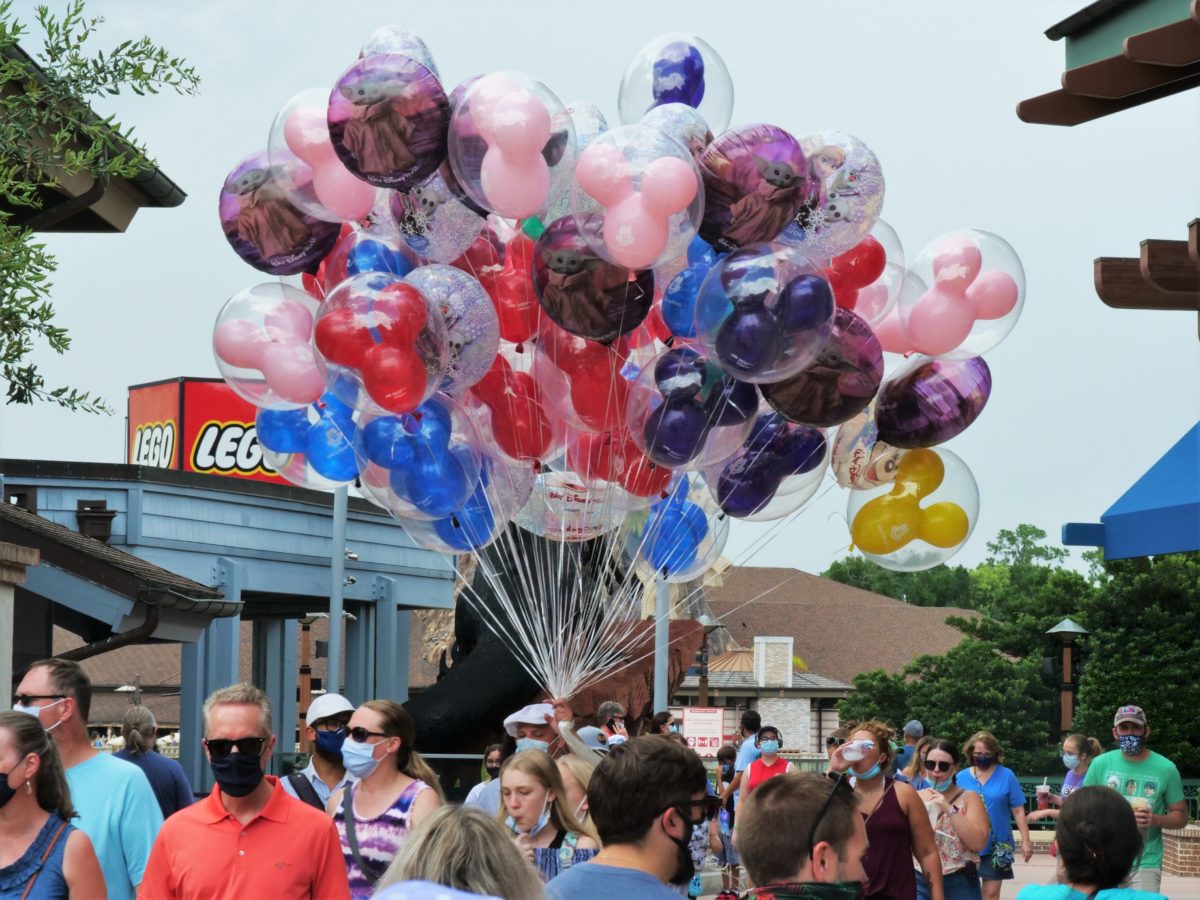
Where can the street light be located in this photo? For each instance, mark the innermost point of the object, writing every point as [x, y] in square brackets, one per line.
[1067, 631]
[709, 624]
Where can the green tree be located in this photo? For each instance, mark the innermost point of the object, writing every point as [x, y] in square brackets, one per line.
[1144, 619]
[939, 586]
[877, 695]
[48, 131]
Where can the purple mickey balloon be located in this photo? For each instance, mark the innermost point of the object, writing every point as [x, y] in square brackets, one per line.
[747, 483]
[805, 303]
[840, 384]
[388, 120]
[263, 226]
[730, 402]
[933, 403]
[583, 294]
[754, 180]
[680, 373]
[675, 432]
[748, 340]
[802, 450]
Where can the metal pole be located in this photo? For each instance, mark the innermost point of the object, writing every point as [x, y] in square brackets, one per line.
[662, 637]
[337, 577]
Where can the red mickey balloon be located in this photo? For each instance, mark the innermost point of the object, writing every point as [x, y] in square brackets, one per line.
[342, 339]
[394, 377]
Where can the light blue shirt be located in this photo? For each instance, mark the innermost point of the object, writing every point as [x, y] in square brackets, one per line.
[488, 798]
[1066, 892]
[322, 789]
[592, 880]
[747, 753]
[119, 812]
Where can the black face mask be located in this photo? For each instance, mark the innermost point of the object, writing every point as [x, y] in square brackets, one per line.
[727, 771]
[685, 867]
[6, 792]
[493, 771]
[238, 774]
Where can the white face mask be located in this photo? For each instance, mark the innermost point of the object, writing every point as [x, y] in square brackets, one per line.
[36, 711]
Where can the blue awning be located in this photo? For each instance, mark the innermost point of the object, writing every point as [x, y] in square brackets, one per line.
[1159, 514]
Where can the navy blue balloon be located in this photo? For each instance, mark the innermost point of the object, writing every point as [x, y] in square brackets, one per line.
[748, 341]
[730, 402]
[679, 373]
[678, 75]
[376, 256]
[328, 451]
[472, 526]
[806, 302]
[768, 434]
[802, 450]
[675, 432]
[282, 430]
[386, 442]
[747, 483]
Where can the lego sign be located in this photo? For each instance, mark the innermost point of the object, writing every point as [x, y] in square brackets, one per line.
[195, 425]
[703, 727]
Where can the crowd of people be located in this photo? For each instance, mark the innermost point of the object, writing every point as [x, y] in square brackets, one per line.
[560, 812]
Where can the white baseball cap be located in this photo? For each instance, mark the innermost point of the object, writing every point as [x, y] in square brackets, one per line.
[533, 714]
[325, 706]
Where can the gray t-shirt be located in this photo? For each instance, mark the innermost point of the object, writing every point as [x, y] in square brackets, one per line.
[593, 881]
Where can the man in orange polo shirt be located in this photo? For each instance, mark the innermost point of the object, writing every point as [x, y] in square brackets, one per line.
[249, 837]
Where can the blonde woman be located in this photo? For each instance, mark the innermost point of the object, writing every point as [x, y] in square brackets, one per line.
[576, 774]
[537, 815]
[466, 849]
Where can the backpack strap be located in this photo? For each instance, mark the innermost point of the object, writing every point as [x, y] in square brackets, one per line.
[566, 853]
[305, 791]
[45, 856]
[352, 838]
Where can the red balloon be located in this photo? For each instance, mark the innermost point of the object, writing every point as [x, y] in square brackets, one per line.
[514, 295]
[404, 307]
[342, 339]
[394, 377]
[520, 425]
[845, 295]
[483, 260]
[592, 456]
[600, 397]
[640, 475]
[863, 263]
[491, 387]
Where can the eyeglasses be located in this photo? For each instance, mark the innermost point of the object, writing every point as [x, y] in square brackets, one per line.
[937, 765]
[219, 748]
[711, 804]
[331, 725]
[812, 832]
[834, 741]
[360, 734]
[27, 699]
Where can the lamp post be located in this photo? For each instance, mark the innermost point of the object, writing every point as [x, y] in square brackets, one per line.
[1066, 632]
[709, 624]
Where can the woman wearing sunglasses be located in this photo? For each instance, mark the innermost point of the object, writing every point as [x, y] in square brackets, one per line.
[897, 826]
[960, 824]
[395, 790]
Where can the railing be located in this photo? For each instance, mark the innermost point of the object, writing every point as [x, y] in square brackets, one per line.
[1191, 795]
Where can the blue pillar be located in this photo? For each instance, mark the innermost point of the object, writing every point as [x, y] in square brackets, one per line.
[275, 669]
[208, 664]
[360, 637]
[391, 641]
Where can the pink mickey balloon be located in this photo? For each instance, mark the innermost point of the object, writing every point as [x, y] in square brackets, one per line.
[292, 373]
[956, 263]
[604, 173]
[940, 321]
[891, 334]
[514, 173]
[240, 343]
[994, 294]
[289, 319]
[668, 185]
[338, 190]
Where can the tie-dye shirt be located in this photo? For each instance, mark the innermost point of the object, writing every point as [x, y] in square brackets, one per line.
[378, 839]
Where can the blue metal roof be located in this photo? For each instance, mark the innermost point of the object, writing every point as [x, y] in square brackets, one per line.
[1159, 514]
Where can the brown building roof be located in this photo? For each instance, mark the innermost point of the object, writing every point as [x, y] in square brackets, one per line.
[838, 630]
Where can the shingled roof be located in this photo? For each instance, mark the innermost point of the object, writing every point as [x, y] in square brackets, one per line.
[838, 630]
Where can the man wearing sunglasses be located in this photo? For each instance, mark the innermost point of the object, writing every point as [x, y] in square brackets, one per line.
[324, 732]
[801, 838]
[117, 807]
[645, 798]
[249, 837]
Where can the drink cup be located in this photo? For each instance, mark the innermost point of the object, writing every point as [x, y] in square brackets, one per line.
[854, 751]
[1140, 803]
[1043, 796]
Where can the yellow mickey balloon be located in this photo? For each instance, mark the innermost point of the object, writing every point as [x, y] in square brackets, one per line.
[920, 472]
[887, 523]
[944, 525]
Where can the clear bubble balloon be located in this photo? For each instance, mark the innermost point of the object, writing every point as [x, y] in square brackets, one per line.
[975, 296]
[262, 342]
[764, 313]
[434, 221]
[262, 223]
[312, 446]
[380, 343]
[645, 188]
[387, 118]
[589, 124]
[685, 413]
[392, 39]
[677, 68]
[472, 329]
[563, 507]
[922, 518]
[843, 195]
[512, 145]
[679, 537]
[582, 383]
[683, 124]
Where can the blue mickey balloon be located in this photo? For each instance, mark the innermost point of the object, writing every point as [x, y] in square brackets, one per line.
[673, 533]
[438, 480]
[329, 452]
[701, 251]
[747, 483]
[282, 430]
[472, 525]
[386, 441]
[803, 450]
[728, 401]
[375, 256]
[679, 300]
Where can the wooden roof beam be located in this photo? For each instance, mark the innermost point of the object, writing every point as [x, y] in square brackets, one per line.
[1062, 107]
[1177, 44]
[1119, 284]
[1167, 265]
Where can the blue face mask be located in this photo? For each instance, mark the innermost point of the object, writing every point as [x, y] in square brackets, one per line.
[674, 729]
[1070, 760]
[1132, 744]
[769, 747]
[869, 774]
[942, 786]
[330, 742]
[359, 759]
[527, 743]
[511, 824]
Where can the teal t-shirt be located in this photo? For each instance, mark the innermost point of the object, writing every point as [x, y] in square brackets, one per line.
[1066, 892]
[1155, 778]
[119, 812]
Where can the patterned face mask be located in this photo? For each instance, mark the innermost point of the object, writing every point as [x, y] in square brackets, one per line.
[1132, 744]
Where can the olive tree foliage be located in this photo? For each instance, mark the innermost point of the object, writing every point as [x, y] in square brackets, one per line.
[48, 131]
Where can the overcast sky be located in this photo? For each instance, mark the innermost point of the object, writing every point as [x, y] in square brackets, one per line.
[1085, 398]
